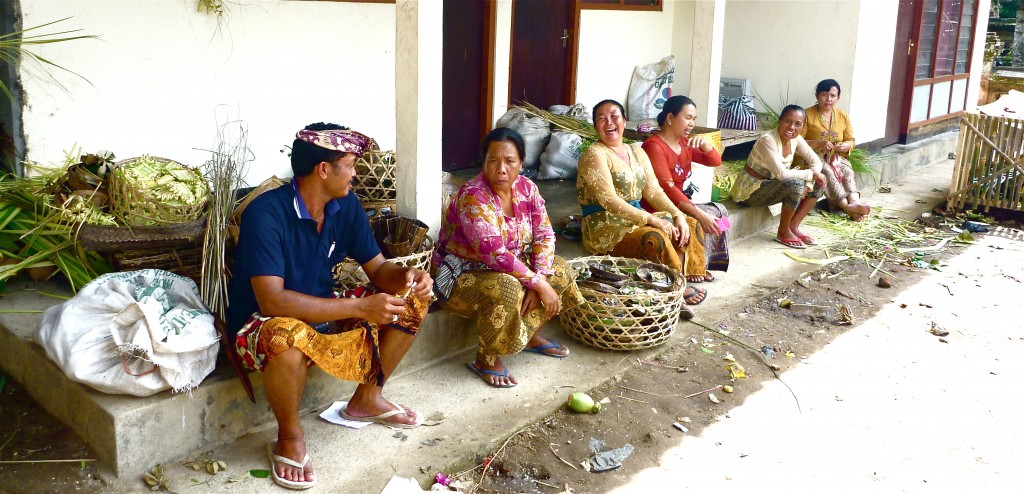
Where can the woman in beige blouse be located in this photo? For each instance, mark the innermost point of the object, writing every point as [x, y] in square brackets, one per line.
[613, 178]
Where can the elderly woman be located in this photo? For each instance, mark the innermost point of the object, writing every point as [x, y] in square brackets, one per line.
[672, 152]
[496, 261]
[770, 177]
[830, 134]
[613, 178]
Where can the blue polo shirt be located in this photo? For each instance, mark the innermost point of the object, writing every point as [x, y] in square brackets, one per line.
[278, 237]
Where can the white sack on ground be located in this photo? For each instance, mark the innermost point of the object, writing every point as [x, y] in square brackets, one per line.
[562, 156]
[535, 132]
[137, 333]
[650, 87]
[579, 111]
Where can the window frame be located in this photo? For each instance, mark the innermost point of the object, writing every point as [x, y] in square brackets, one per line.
[655, 6]
[933, 81]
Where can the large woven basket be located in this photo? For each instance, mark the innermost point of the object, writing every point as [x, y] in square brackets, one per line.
[375, 177]
[139, 206]
[348, 274]
[185, 260]
[103, 238]
[618, 321]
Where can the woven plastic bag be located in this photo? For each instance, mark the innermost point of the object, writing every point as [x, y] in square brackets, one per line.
[649, 88]
[136, 332]
[562, 156]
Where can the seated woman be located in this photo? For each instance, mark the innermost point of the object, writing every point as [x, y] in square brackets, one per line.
[830, 133]
[613, 178]
[672, 152]
[770, 177]
[496, 262]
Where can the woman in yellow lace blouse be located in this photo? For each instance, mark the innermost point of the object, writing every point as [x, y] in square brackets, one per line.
[613, 177]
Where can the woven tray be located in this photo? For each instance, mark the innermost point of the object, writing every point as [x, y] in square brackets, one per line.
[103, 238]
[618, 321]
[135, 205]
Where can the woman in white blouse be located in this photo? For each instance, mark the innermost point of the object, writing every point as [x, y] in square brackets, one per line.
[769, 177]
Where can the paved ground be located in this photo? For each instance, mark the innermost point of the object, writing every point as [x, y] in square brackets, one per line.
[478, 418]
[887, 407]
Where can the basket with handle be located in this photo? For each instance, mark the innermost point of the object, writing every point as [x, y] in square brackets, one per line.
[633, 317]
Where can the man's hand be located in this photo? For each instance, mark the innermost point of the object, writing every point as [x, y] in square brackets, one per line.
[381, 308]
[421, 283]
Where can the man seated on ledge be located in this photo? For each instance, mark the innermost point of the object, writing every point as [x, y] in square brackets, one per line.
[283, 309]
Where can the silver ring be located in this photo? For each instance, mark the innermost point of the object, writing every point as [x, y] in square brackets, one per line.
[394, 318]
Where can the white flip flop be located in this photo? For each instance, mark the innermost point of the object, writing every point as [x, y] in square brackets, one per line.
[288, 484]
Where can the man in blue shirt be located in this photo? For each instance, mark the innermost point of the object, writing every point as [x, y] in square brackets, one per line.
[282, 309]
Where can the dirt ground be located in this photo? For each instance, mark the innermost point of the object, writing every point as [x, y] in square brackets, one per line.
[645, 403]
[646, 406]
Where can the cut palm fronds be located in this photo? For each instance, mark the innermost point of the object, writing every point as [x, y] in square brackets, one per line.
[821, 262]
[876, 236]
[225, 171]
[863, 163]
[13, 49]
[563, 123]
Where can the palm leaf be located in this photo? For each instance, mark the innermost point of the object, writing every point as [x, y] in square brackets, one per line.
[13, 49]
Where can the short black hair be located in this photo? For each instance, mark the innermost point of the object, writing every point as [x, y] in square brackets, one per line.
[673, 106]
[306, 156]
[593, 114]
[501, 134]
[792, 108]
[826, 85]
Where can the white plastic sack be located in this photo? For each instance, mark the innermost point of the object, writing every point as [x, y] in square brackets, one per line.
[579, 111]
[650, 87]
[535, 132]
[136, 333]
[561, 157]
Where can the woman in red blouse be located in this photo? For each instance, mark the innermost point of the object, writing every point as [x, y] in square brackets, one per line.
[672, 151]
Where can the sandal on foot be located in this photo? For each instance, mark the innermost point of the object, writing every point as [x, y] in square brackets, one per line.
[382, 419]
[696, 278]
[699, 294]
[709, 277]
[550, 345]
[794, 243]
[686, 312]
[806, 239]
[288, 484]
[483, 373]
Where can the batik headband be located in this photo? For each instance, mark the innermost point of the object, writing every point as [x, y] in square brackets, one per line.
[347, 141]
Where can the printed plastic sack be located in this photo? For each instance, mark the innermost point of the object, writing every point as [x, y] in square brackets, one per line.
[650, 87]
[579, 111]
[561, 157]
[136, 333]
[736, 113]
[535, 132]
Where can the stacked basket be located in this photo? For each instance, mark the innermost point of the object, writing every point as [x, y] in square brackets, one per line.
[639, 313]
[402, 240]
[375, 180]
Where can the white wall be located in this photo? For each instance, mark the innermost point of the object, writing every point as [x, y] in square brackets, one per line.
[163, 72]
[682, 41]
[613, 42]
[502, 56]
[794, 44]
[977, 60]
[867, 93]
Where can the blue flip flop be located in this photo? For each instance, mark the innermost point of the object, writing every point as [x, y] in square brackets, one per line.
[481, 372]
[548, 346]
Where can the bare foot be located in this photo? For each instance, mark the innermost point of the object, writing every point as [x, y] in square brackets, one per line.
[859, 208]
[295, 450]
[380, 405]
[495, 374]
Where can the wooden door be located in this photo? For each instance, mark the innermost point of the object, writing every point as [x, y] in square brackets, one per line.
[467, 80]
[901, 80]
[543, 45]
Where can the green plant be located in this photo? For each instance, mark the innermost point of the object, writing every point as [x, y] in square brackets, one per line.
[770, 116]
[863, 163]
[13, 49]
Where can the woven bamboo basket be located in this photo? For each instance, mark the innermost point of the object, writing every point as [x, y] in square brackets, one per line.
[103, 238]
[375, 177]
[620, 321]
[185, 260]
[139, 206]
[348, 274]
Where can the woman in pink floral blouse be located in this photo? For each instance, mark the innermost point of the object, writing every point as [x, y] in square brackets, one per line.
[496, 262]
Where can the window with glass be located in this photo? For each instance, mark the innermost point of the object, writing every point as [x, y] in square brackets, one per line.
[943, 59]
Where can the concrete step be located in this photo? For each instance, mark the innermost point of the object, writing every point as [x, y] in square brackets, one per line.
[131, 434]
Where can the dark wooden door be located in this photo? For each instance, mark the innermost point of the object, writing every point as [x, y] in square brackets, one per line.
[466, 80]
[543, 42]
[899, 84]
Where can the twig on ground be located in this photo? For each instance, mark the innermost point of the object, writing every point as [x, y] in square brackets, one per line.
[631, 399]
[545, 484]
[873, 273]
[691, 395]
[497, 453]
[73, 460]
[552, 448]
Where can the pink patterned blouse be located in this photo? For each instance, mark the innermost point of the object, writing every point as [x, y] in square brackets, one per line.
[475, 229]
